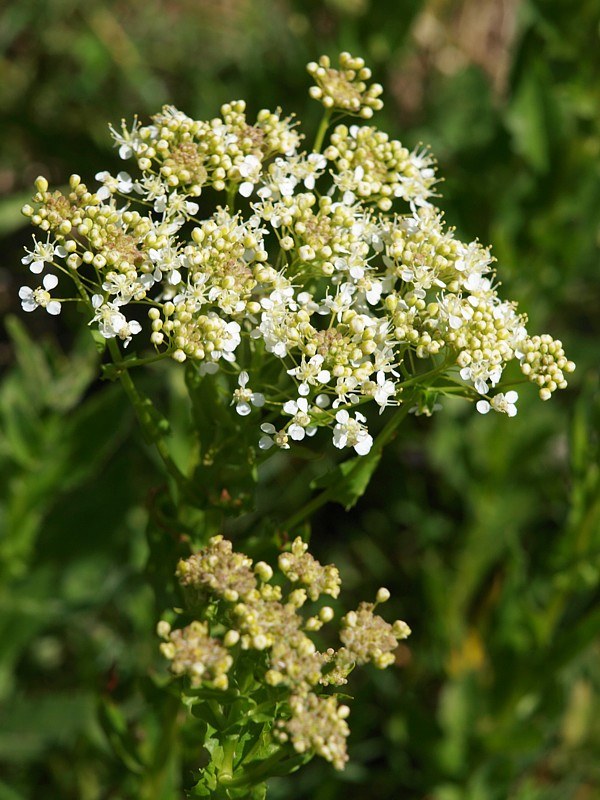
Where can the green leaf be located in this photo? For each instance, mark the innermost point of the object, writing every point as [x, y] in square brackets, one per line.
[347, 483]
[120, 738]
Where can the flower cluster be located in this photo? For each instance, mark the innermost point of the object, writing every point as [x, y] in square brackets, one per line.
[254, 614]
[345, 88]
[334, 264]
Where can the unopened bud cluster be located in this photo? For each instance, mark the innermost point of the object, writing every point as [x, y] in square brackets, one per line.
[248, 612]
[345, 88]
[336, 265]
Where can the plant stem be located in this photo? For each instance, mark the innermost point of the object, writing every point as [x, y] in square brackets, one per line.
[141, 362]
[226, 771]
[326, 119]
[147, 423]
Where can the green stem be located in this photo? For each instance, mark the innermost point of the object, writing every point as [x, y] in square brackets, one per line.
[141, 362]
[147, 423]
[220, 718]
[231, 191]
[226, 771]
[322, 131]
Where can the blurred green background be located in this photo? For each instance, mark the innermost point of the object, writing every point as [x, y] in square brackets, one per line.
[486, 530]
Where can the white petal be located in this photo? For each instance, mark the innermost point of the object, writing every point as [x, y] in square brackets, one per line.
[296, 432]
[364, 444]
[50, 281]
[103, 193]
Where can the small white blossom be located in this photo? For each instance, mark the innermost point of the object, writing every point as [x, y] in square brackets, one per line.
[250, 170]
[244, 397]
[272, 436]
[130, 329]
[128, 142]
[384, 390]
[40, 297]
[300, 424]
[480, 373]
[350, 432]
[110, 320]
[345, 389]
[43, 252]
[310, 373]
[122, 183]
[504, 403]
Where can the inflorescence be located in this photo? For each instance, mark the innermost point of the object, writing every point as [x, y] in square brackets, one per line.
[337, 265]
[246, 612]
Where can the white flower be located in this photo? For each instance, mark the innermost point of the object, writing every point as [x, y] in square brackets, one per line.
[129, 330]
[310, 373]
[250, 170]
[230, 340]
[503, 403]
[123, 287]
[110, 320]
[314, 167]
[40, 297]
[344, 390]
[168, 262]
[385, 389]
[300, 424]
[245, 397]
[350, 432]
[272, 436]
[41, 253]
[340, 303]
[480, 373]
[175, 204]
[128, 142]
[122, 183]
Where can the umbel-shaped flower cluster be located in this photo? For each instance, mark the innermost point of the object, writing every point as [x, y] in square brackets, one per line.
[334, 263]
[244, 613]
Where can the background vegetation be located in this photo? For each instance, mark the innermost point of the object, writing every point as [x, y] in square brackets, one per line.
[486, 531]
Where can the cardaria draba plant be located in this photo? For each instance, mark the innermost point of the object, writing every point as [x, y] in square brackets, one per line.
[321, 282]
[303, 289]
